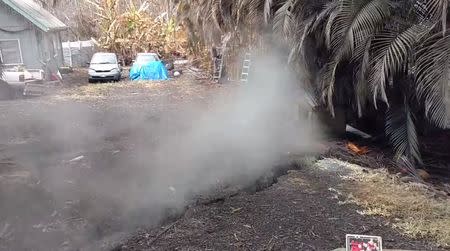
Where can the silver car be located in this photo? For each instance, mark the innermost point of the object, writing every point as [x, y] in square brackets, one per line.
[143, 58]
[104, 67]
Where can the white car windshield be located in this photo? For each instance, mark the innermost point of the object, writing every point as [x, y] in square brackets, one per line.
[104, 59]
[142, 59]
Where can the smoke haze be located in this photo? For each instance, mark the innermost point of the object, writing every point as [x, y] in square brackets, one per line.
[129, 164]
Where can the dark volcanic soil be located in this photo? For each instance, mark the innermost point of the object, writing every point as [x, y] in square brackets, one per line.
[67, 159]
[297, 213]
[74, 174]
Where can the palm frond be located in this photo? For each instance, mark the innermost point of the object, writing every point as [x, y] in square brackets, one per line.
[217, 14]
[401, 130]
[349, 26]
[301, 10]
[436, 10]
[297, 44]
[324, 15]
[251, 11]
[328, 82]
[361, 87]
[283, 20]
[355, 22]
[391, 52]
[432, 77]
[328, 28]
[407, 164]
[267, 10]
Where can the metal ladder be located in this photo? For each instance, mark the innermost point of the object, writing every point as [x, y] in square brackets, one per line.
[246, 68]
[218, 65]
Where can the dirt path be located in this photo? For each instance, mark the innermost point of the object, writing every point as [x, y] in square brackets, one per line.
[300, 212]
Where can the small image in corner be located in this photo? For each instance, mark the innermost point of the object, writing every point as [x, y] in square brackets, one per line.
[363, 243]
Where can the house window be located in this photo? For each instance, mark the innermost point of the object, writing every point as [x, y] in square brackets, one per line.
[10, 52]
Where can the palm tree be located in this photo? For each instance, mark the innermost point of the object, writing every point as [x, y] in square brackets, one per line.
[393, 55]
[393, 59]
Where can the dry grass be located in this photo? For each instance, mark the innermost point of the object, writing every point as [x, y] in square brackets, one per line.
[184, 88]
[295, 180]
[413, 208]
[105, 90]
[88, 92]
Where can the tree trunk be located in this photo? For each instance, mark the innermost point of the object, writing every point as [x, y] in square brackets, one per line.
[331, 126]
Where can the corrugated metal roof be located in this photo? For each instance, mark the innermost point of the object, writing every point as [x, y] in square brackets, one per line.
[37, 15]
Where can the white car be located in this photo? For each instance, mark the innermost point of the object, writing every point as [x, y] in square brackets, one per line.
[104, 67]
[142, 58]
[147, 57]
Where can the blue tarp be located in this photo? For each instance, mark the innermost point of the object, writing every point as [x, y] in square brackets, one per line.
[155, 70]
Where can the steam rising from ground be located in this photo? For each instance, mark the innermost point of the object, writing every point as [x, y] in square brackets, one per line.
[137, 163]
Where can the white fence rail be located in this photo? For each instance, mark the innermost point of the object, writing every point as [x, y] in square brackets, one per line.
[79, 53]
